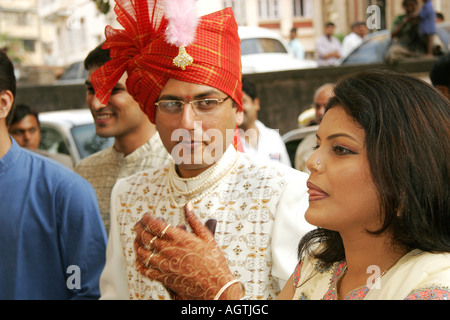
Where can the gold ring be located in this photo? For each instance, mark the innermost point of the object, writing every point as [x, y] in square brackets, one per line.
[153, 240]
[164, 231]
[148, 259]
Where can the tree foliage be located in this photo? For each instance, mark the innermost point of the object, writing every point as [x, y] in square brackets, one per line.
[103, 5]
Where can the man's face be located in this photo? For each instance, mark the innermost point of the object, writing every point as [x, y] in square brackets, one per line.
[26, 132]
[196, 141]
[121, 116]
[362, 30]
[251, 108]
[329, 31]
[321, 102]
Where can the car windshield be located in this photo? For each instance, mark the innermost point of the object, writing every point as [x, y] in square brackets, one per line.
[87, 141]
[371, 51]
[261, 45]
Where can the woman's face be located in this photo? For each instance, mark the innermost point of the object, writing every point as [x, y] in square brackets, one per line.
[343, 196]
[410, 7]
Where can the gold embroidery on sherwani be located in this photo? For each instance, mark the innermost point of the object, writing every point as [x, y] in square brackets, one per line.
[244, 205]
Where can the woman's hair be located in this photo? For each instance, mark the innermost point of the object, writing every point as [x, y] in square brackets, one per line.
[407, 138]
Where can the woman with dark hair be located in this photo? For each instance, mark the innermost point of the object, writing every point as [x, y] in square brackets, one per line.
[379, 189]
[379, 195]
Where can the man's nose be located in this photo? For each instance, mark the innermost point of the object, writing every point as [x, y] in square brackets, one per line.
[96, 104]
[188, 117]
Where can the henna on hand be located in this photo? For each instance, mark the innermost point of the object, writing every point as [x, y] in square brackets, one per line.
[191, 265]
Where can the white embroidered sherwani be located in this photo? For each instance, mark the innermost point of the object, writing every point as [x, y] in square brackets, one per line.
[259, 208]
[105, 167]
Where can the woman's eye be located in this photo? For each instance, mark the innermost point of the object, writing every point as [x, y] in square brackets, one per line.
[342, 150]
[317, 146]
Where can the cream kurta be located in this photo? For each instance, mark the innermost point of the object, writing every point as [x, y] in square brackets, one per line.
[105, 167]
[259, 210]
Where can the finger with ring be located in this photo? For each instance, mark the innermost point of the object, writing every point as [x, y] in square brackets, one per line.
[149, 244]
[164, 231]
[147, 262]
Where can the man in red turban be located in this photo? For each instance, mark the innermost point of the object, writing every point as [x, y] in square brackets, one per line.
[185, 72]
[146, 51]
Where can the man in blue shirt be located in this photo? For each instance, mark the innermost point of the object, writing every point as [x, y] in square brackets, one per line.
[296, 45]
[52, 240]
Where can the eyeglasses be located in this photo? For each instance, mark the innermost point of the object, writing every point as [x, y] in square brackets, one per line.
[203, 106]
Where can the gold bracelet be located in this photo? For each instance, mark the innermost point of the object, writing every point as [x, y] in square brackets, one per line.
[225, 287]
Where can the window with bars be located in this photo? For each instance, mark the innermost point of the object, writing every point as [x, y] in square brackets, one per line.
[303, 8]
[238, 7]
[269, 9]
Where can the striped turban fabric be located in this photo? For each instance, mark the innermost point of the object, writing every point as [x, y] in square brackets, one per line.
[141, 49]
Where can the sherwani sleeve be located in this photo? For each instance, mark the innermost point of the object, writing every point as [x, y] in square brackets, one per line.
[113, 281]
[290, 226]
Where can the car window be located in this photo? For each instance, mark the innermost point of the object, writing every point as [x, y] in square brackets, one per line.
[87, 141]
[74, 71]
[53, 141]
[261, 45]
[372, 51]
[443, 38]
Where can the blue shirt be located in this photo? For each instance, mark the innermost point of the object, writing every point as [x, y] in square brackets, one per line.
[427, 19]
[297, 49]
[52, 240]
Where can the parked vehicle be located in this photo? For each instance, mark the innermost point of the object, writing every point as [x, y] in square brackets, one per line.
[73, 73]
[71, 132]
[264, 50]
[374, 47]
[294, 137]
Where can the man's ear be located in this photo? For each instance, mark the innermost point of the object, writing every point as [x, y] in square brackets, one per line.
[239, 116]
[6, 102]
[257, 102]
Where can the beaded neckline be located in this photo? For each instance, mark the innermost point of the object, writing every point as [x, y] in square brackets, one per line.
[212, 178]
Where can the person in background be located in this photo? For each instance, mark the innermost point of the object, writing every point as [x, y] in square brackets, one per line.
[406, 39]
[52, 239]
[137, 145]
[25, 128]
[440, 75]
[355, 38]
[192, 91]
[439, 17]
[258, 140]
[296, 45]
[328, 48]
[306, 147]
[379, 194]
[427, 24]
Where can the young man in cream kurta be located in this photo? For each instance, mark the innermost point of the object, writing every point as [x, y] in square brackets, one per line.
[137, 145]
[259, 207]
[105, 167]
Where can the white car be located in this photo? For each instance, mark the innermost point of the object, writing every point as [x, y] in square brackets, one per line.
[71, 132]
[264, 50]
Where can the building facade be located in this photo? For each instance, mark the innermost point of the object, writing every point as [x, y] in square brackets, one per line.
[309, 16]
[61, 32]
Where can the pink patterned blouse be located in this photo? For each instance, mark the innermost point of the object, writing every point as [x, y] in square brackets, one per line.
[428, 293]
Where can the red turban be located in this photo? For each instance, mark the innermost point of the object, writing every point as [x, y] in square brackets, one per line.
[141, 49]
